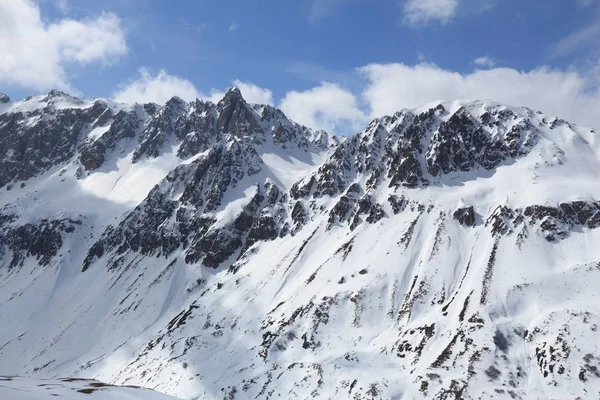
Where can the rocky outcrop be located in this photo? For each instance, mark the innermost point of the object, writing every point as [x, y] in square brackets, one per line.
[41, 240]
[236, 116]
[411, 150]
[163, 124]
[93, 151]
[465, 216]
[554, 223]
[33, 142]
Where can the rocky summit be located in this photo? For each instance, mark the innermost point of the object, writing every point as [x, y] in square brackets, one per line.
[223, 251]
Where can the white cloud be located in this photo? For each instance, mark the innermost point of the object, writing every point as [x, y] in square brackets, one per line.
[421, 12]
[159, 88]
[569, 94]
[327, 106]
[253, 93]
[233, 27]
[156, 89]
[35, 54]
[584, 38]
[485, 61]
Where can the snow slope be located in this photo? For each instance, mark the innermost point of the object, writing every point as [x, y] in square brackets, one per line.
[443, 252]
[16, 388]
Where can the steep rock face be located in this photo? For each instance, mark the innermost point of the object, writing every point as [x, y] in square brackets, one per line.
[183, 211]
[236, 116]
[162, 124]
[465, 142]
[413, 150]
[34, 141]
[199, 129]
[92, 152]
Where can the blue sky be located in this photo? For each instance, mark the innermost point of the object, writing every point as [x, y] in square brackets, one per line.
[369, 57]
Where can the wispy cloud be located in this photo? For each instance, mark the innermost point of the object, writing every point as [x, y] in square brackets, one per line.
[485, 61]
[63, 5]
[585, 38]
[233, 27]
[585, 3]
[422, 12]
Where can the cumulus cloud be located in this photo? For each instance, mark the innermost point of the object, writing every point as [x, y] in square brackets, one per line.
[485, 61]
[327, 106]
[253, 93]
[35, 54]
[159, 88]
[570, 94]
[421, 12]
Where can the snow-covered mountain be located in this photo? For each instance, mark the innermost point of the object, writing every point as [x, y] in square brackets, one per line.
[223, 251]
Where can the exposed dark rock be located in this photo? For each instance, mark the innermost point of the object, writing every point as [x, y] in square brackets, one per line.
[465, 216]
[345, 207]
[398, 204]
[32, 144]
[92, 152]
[150, 108]
[555, 223]
[162, 224]
[163, 124]
[236, 116]
[299, 215]
[199, 130]
[42, 240]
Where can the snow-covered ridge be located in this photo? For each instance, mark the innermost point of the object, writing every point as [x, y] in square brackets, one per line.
[223, 251]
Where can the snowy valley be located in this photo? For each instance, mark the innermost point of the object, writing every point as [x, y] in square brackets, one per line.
[223, 251]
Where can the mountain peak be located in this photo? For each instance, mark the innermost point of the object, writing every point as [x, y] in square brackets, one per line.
[234, 93]
[4, 98]
[175, 102]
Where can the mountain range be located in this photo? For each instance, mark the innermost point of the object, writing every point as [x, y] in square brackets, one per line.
[223, 251]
